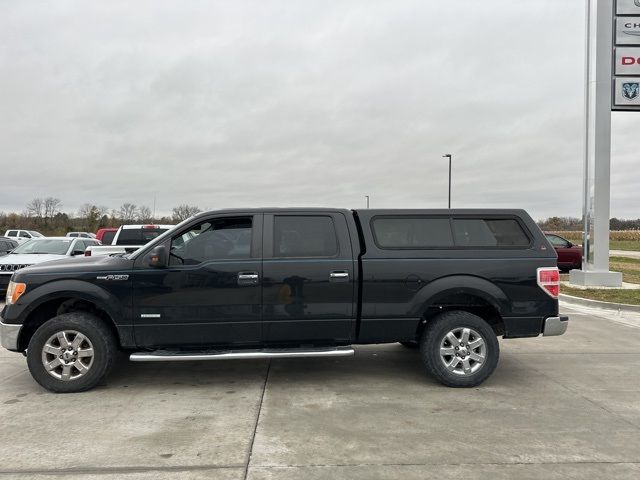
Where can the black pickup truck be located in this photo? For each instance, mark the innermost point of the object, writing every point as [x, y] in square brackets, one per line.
[279, 283]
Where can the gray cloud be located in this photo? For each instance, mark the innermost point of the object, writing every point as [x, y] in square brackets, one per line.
[225, 104]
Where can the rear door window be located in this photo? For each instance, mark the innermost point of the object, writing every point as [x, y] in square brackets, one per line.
[107, 238]
[486, 232]
[557, 241]
[412, 232]
[12, 233]
[304, 236]
[138, 236]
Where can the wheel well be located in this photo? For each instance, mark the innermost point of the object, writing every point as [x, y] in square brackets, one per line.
[55, 307]
[468, 303]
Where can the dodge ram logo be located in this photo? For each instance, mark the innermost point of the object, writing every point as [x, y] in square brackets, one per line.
[631, 90]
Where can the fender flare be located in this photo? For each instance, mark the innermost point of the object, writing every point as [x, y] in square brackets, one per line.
[459, 284]
[81, 290]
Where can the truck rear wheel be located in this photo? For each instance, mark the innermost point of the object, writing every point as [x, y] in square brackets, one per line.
[71, 352]
[459, 349]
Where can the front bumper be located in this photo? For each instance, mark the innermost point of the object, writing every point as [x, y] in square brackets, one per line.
[555, 326]
[9, 335]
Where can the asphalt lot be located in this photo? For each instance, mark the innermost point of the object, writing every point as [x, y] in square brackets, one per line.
[563, 407]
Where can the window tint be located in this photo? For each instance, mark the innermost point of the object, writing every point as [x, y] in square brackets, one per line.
[304, 236]
[478, 232]
[72, 234]
[412, 232]
[219, 239]
[12, 233]
[138, 236]
[107, 238]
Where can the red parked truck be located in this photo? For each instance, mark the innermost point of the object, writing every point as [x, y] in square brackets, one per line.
[105, 235]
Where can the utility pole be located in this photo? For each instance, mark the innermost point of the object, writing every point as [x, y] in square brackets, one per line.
[448, 155]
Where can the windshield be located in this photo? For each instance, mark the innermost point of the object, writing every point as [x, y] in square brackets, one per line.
[35, 234]
[48, 246]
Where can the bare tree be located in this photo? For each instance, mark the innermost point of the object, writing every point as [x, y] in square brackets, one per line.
[85, 210]
[35, 208]
[91, 216]
[144, 214]
[103, 210]
[127, 212]
[184, 211]
[52, 206]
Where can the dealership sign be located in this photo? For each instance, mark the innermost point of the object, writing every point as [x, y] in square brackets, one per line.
[626, 55]
[628, 7]
[628, 30]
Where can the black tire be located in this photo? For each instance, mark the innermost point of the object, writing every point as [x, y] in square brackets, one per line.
[101, 340]
[433, 336]
[413, 344]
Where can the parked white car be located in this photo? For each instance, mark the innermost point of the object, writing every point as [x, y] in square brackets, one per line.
[22, 235]
[39, 250]
[81, 234]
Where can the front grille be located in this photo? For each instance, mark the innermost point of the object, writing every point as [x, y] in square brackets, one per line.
[12, 268]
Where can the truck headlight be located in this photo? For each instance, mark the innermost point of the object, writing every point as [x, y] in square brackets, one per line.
[15, 291]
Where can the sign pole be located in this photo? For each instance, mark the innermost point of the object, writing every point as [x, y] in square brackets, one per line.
[595, 263]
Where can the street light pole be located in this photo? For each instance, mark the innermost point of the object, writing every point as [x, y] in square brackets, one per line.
[448, 155]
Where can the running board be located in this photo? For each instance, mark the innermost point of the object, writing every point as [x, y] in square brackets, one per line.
[183, 356]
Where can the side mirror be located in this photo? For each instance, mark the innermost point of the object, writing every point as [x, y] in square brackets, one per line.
[158, 257]
[569, 244]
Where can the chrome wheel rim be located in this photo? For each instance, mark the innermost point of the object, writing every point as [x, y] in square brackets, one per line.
[67, 355]
[463, 351]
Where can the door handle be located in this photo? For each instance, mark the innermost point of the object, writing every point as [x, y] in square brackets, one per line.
[338, 276]
[248, 278]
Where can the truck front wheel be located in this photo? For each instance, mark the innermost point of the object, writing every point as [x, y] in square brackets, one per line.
[459, 349]
[71, 352]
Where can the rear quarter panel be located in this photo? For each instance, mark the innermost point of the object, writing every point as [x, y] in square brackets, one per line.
[398, 286]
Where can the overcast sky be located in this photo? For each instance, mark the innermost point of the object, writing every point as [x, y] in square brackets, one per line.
[268, 103]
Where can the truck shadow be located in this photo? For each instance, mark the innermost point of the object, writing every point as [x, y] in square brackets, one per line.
[372, 365]
[368, 364]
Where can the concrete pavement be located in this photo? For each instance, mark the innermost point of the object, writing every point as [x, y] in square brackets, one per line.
[564, 407]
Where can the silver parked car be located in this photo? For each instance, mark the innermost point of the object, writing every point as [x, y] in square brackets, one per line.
[39, 250]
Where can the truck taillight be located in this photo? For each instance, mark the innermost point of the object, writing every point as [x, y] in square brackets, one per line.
[87, 253]
[549, 280]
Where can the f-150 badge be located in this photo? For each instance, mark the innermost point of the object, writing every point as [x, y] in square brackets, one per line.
[113, 277]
